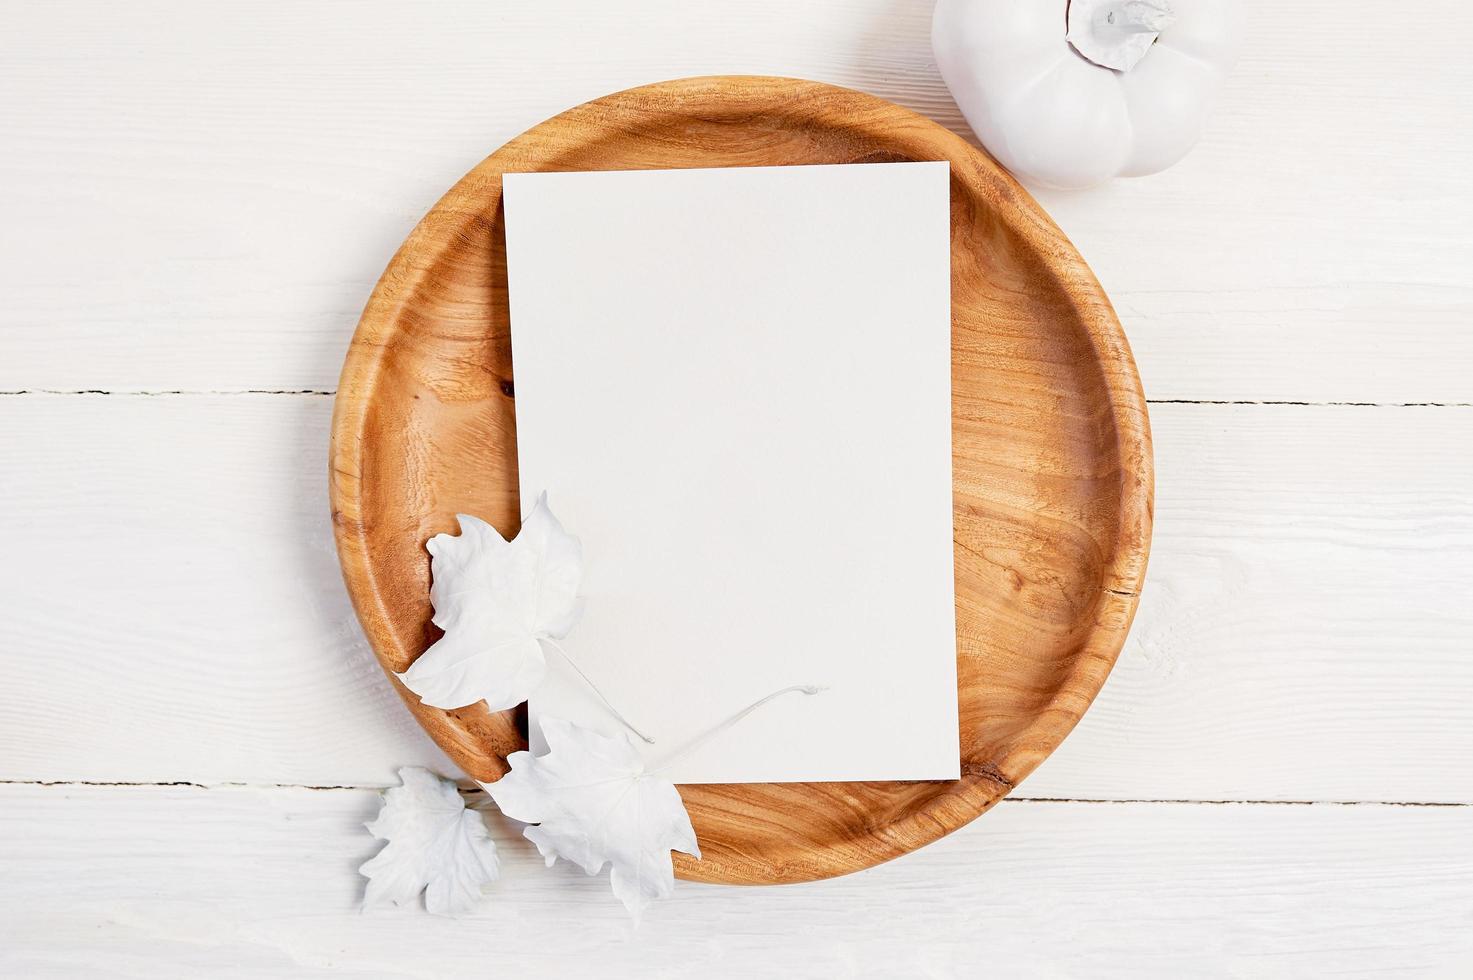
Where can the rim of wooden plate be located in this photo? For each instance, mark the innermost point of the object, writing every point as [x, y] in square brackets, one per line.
[871, 822]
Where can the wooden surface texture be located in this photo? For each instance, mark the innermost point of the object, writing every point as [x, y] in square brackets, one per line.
[1050, 446]
[197, 200]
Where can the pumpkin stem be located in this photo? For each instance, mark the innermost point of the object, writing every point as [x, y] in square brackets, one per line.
[1116, 34]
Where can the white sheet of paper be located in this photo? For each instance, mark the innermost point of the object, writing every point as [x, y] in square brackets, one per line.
[735, 385]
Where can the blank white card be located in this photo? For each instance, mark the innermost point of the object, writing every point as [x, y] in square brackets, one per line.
[735, 386]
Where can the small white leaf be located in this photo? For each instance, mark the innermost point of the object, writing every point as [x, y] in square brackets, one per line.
[595, 804]
[495, 599]
[435, 845]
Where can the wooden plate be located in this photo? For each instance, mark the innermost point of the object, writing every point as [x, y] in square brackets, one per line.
[1052, 454]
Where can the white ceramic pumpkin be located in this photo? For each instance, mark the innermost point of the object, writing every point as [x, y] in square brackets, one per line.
[1070, 93]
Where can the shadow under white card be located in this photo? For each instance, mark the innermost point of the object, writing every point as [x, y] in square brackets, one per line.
[735, 386]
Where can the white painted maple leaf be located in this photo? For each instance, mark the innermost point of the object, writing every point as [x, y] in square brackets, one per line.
[435, 845]
[594, 803]
[496, 600]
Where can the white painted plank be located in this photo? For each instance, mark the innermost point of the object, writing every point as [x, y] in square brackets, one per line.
[173, 604]
[1305, 628]
[200, 197]
[1314, 247]
[174, 611]
[175, 881]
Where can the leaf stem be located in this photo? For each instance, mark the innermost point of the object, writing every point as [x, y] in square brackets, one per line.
[701, 740]
[594, 687]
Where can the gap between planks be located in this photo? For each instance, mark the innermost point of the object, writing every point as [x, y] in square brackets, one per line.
[475, 791]
[165, 392]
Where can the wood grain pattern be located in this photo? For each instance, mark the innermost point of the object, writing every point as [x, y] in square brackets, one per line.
[199, 198]
[1051, 448]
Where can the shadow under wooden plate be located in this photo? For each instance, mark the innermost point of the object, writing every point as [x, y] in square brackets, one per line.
[1051, 454]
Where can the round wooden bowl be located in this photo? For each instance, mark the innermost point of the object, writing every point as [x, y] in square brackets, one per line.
[1051, 453]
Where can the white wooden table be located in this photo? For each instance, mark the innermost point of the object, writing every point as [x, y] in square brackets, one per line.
[195, 200]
